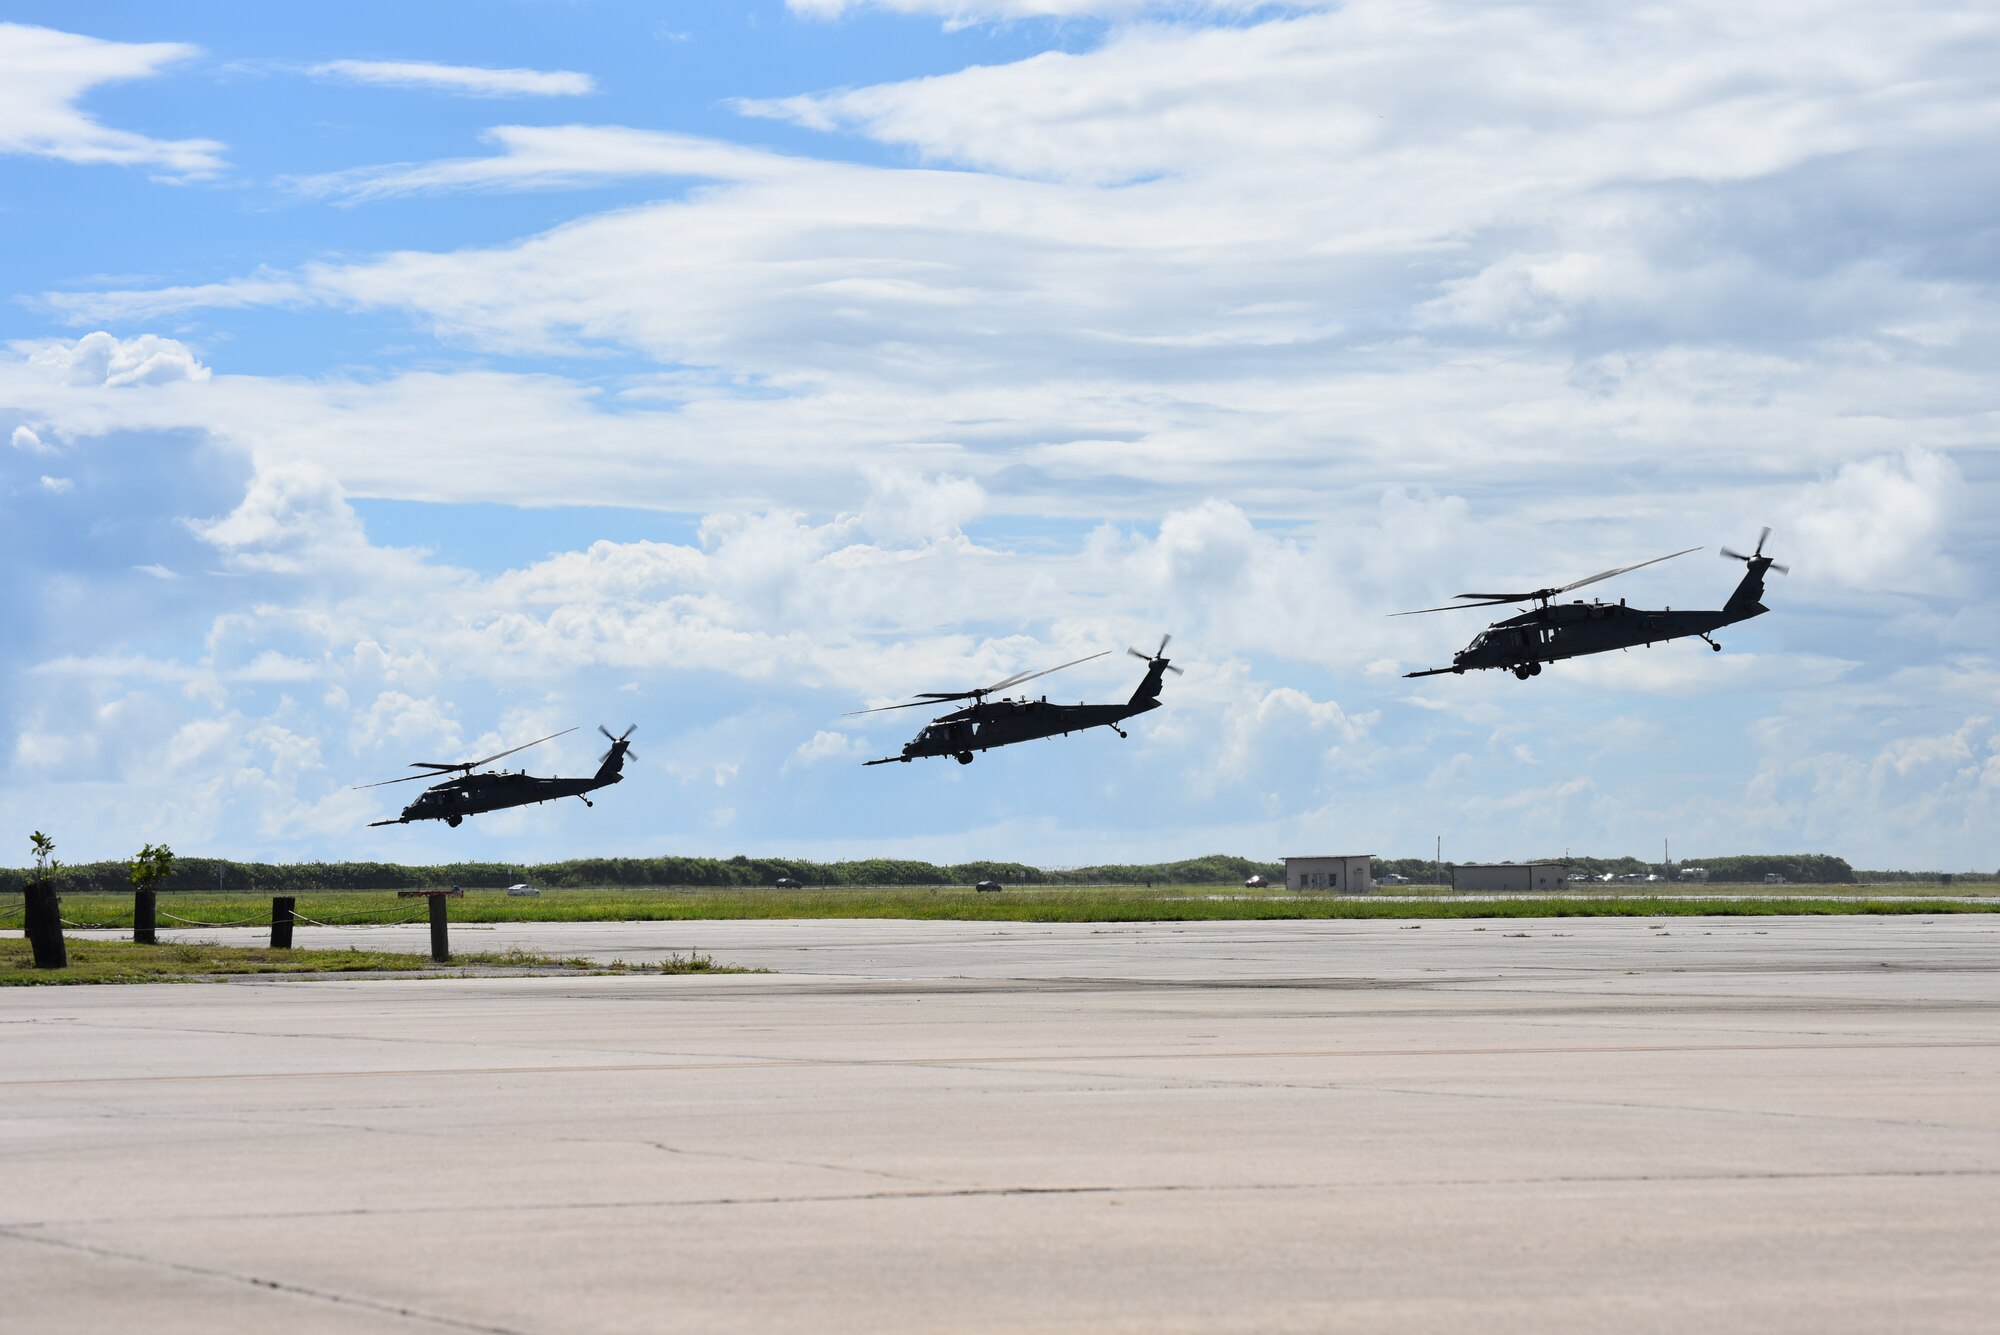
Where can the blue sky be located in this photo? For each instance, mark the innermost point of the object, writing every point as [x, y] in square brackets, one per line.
[390, 384]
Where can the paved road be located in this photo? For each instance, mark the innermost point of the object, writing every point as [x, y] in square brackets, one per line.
[1743, 1124]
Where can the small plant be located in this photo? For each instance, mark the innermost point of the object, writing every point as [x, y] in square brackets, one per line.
[45, 861]
[148, 865]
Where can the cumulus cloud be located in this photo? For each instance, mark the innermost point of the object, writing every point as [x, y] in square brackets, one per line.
[58, 485]
[465, 80]
[28, 441]
[825, 745]
[104, 359]
[44, 73]
[1879, 522]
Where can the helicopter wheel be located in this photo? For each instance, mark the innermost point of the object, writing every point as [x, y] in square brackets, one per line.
[1713, 645]
[965, 757]
[1534, 669]
[1522, 672]
[453, 821]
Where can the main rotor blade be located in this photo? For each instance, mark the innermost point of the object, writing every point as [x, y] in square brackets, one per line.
[940, 697]
[1607, 574]
[1760, 539]
[405, 779]
[1513, 597]
[907, 704]
[475, 764]
[1458, 607]
[1030, 676]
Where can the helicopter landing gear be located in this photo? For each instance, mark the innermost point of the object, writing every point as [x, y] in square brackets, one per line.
[965, 757]
[1527, 670]
[1713, 645]
[1120, 731]
[586, 801]
[454, 821]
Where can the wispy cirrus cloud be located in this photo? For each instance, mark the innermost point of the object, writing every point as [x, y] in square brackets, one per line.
[556, 157]
[463, 80]
[45, 73]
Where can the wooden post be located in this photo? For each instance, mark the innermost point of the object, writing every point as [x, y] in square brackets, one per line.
[43, 926]
[145, 917]
[282, 907]
[440, 933]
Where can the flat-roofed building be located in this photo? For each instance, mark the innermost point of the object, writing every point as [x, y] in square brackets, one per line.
[1346, 874]
[1508, 875]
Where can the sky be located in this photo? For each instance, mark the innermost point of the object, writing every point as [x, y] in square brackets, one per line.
[396, 383]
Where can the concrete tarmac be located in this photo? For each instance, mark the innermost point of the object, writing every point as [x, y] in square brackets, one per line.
[1538, 1126]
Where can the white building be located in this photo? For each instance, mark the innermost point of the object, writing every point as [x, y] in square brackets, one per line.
[1344, 875]
[1508, 875]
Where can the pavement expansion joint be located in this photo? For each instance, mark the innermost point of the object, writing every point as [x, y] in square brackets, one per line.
[258, 1282]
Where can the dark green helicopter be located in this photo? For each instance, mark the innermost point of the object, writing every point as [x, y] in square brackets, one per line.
[985, 724]
[1553, 630]
[469, 794]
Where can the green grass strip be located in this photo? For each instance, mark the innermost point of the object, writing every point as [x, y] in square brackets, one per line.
[1032, 904]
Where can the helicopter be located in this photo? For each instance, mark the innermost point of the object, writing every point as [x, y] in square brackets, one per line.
[1555, 630]
[983, 724]
[469, 794]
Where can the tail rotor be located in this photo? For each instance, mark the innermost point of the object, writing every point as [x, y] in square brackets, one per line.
[1158, 656]
[1757, 554]
[619, 745]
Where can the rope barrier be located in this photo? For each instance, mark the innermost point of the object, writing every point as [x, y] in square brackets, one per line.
[196, 922]
[358, 919]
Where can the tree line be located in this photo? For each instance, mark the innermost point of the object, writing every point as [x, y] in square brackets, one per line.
[225, 876]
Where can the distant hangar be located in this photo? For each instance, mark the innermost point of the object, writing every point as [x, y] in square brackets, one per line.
[1508, 875]
[1344, 874]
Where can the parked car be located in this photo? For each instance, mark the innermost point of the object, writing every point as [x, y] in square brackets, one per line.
[1255, 883]
[988, 887]
[522, 890]
[787, 883]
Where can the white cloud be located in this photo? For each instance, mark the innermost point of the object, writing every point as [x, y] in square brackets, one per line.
[28, 442]
[1877, 523]
[959, 12]
[45, 73]
[103, 359]
[465, 80]
[825, 745]
[555, 157]
[61, 486]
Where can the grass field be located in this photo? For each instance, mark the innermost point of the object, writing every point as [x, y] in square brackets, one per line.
[1027, 904]
[187, 962]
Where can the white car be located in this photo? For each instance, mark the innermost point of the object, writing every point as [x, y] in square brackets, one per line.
[522, 890]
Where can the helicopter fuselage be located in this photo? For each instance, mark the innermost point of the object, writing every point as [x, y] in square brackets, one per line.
[990, 723]
[1004, 722]
[470, 794]
[1556, 631]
